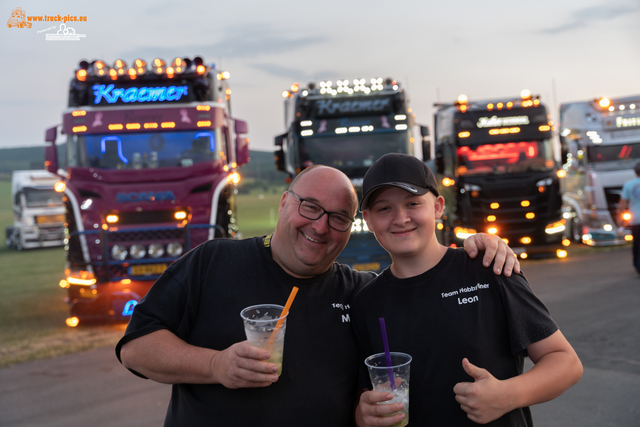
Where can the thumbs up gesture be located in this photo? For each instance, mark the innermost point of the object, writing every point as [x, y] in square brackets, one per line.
[486, 398]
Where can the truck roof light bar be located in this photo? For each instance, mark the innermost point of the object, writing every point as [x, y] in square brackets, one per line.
[347, 87]
[99, 69]
[200, 68]
[179, 65]
[159, 66]
[140, 67]
[81, 73]
[121, 67]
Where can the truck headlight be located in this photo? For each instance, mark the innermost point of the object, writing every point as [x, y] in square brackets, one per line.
[544, 182]
[174, 249]
[119, 252]
[555, 227]
[138, 251]
[156, 250]
[359, 225]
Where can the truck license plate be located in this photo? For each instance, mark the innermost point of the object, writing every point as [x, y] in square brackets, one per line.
[371, 266]
[50, 219]
[147, 269]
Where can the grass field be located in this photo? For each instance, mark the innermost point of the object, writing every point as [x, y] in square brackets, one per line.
[32, 307]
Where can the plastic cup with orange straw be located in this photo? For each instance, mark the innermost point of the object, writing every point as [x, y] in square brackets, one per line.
[265, 326]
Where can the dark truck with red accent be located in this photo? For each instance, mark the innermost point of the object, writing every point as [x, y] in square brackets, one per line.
[498, 172]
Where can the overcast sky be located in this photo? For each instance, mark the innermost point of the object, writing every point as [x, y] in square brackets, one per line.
[563, 50]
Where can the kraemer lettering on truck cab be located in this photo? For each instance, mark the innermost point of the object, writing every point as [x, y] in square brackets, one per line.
[152, 152]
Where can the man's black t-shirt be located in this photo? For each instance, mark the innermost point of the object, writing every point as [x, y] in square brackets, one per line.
[457, 309]
[199, 298]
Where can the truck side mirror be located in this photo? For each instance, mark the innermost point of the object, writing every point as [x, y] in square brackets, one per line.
[51, 134]
[424, 131]
[426, 150]
[242, 150]
[564, 156]
[240, 127]
[51, 151]
[278, 157]
[439, 160]
[242, 143]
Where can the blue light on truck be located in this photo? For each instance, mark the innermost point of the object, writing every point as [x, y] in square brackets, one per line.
[128, 307]
[212, 140]
[103, 146]
[138, 94]
[145, 196]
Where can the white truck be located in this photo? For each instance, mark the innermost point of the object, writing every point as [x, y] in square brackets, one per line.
[600, 142]
[38, 211]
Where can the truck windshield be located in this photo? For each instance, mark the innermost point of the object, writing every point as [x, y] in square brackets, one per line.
[39, 198]
[352, 154]
[609, 153]
[142, 150]
[509, 157]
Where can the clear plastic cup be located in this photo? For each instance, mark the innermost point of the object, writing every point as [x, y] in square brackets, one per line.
[380, 379]
[259, 323]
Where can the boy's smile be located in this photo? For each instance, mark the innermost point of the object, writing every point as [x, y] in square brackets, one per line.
[403, 223]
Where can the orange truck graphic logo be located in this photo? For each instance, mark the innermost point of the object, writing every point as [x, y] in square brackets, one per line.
[18, 19]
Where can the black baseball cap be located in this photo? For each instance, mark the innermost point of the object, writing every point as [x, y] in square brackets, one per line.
[398, 170]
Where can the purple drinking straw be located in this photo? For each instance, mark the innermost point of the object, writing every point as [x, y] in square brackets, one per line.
[387, 354]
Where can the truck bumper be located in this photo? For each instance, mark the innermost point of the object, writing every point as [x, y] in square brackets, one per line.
[601, 237]
[106, 301]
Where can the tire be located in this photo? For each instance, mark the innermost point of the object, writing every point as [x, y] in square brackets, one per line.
[576, 228]
[9, 231]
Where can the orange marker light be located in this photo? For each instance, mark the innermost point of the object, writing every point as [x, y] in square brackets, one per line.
[81, 75]
[72, 322]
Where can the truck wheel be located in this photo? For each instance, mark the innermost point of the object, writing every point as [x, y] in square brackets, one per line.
[8, 239]
[576, 229]
[17, 239]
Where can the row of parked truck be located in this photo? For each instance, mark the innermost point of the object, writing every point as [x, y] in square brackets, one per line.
[153, 151]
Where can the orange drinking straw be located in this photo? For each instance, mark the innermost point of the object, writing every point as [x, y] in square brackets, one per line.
[272, 338]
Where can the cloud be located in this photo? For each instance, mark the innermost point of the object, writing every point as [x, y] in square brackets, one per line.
[280, 71]
[248, 41]
[259, 40]
[584, 17]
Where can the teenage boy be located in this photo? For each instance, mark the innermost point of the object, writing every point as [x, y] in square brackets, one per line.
[466, 329]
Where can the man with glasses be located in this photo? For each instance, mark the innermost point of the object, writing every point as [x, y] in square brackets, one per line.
[187, 330]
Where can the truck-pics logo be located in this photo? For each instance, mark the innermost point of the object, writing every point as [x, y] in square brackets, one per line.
[18, 19]
[65, 34]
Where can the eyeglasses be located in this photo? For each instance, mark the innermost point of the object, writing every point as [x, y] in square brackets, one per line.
[313, 211]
